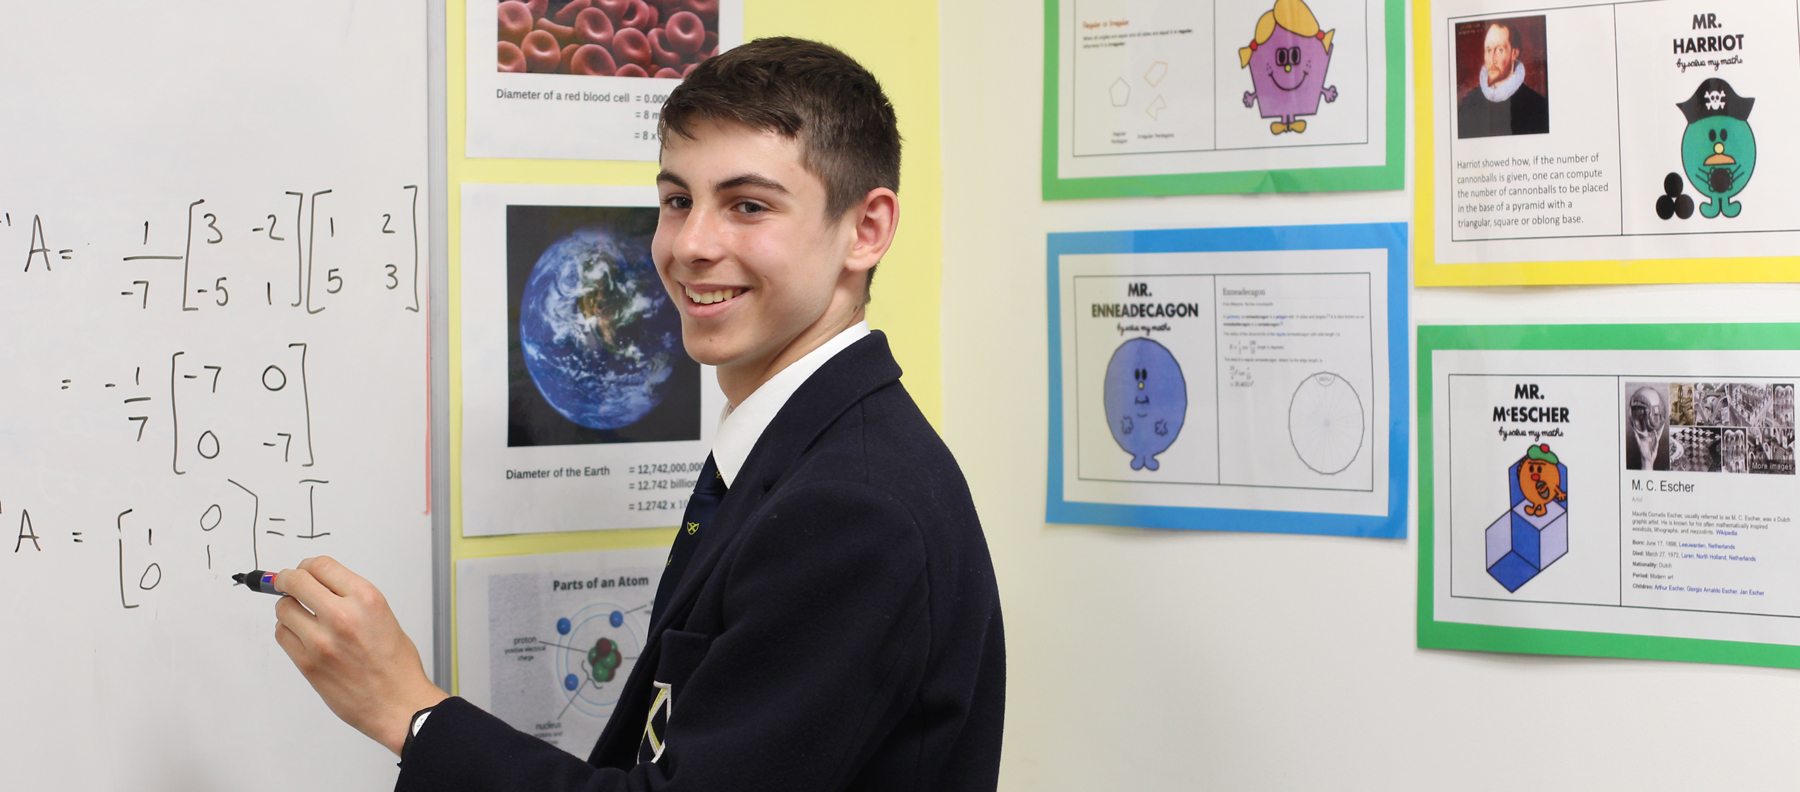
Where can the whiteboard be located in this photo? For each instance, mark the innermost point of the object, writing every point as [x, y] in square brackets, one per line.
[213, 299]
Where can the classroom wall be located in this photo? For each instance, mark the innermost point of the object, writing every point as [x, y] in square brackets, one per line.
[1158, 659]
[896, 41]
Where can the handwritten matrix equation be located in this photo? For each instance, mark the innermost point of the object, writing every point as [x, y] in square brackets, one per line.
[207, 246]
[230, 419]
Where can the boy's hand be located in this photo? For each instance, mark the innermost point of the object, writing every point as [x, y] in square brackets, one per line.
[349, 645]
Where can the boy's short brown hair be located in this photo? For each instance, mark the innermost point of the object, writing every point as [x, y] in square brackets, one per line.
[804, 91]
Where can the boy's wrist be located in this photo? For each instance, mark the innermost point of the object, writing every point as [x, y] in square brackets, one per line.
[413, 725]
[398, 718]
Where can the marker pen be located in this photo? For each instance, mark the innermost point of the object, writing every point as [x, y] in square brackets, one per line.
[258, 580]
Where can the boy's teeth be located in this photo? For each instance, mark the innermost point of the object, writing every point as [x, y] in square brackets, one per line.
[708, 298]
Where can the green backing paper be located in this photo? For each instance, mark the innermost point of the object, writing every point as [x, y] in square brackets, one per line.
[1387, 176]
[1435, 634]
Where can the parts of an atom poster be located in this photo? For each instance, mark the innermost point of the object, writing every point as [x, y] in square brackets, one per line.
[545, 642]
[1230, 379]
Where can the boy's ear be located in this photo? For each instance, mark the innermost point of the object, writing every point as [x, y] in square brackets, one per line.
[873, 221]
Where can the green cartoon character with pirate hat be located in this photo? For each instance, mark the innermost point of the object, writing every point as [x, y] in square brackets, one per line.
[1718, 151]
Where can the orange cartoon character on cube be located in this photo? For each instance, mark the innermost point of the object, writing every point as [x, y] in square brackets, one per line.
[1534, 531]
[1540, 480]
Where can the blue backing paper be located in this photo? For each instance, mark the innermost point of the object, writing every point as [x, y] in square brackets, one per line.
[1387, 236]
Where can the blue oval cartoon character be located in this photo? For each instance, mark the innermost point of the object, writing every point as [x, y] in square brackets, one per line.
[1146, 400]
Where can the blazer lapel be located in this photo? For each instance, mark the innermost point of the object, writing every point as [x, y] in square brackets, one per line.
[861, 369]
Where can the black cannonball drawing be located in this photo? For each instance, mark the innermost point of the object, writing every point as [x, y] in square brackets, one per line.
[1673, 203]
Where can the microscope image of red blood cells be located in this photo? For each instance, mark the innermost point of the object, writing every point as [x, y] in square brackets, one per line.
[563, 33]
[688, 68]
[705, 9]
[511, 59]
[660, 54]
[638, 38]
[592, 59]
[614, 8]
[710, 49]
[630, 45]
[566, 14]
[593, 26]
[685, 33]
[641, 16]
[542, 53]
[515, 21]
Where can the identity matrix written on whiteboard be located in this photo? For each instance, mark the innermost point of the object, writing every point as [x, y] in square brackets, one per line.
[232, 411]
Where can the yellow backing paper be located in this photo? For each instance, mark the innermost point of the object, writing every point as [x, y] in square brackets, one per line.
[1428, 272]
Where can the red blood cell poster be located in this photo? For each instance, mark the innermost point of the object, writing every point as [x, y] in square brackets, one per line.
[584, 79]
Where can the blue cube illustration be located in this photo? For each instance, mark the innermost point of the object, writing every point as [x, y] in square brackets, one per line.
[1521, 544]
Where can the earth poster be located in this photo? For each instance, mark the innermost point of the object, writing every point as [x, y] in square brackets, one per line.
[594, 342]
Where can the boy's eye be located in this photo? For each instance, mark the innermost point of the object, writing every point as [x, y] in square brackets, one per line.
[751, 207]
[678, 202]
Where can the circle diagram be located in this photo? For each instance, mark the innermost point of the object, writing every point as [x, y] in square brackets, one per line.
[1325, 423]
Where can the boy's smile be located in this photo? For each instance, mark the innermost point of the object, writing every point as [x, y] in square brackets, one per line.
[743, 246]
[712, 297]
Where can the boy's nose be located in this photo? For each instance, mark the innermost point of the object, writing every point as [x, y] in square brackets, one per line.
[698, 240]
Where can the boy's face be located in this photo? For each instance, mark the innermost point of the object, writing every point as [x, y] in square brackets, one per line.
[743, 245]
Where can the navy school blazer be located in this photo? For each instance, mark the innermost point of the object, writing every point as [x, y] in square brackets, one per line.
[837, 629]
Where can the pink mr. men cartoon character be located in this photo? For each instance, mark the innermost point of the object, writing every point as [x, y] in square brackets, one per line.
[1287, 62]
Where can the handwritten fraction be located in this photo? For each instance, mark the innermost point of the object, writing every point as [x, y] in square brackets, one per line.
[228, 423]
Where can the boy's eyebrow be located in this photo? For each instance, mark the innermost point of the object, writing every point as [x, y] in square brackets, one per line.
[665, 176]
[751, 180]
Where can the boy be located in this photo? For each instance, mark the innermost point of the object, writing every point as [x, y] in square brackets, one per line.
[834, 624]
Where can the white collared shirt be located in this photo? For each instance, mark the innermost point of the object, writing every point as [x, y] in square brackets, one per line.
[742, 425]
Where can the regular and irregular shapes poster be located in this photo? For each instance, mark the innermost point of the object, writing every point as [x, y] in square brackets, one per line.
[1610, 490]
[545, 642]
[581, 409]
[583, 79]
[1632, 142]
[1153, 98]
[1249, 379]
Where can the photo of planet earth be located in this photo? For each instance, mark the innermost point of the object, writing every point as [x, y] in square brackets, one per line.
[596, 352]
